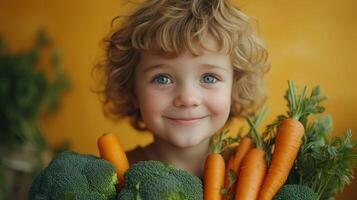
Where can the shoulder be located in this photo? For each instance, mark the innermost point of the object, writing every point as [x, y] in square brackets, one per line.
[136, 154]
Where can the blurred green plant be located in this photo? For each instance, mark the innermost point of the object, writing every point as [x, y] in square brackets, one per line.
[26, 93]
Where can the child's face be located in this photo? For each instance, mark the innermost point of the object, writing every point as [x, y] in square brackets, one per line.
[184, 100]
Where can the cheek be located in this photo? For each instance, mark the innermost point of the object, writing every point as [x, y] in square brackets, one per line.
[152, 104]
[219, 104]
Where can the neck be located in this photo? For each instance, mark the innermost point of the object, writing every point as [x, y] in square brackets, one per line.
[191, 159]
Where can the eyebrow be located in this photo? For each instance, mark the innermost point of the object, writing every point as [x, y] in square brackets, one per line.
[206, 65]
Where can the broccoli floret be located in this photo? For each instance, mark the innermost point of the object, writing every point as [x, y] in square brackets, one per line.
[75, 176]
[152, 180]
[87, 196]
[296, 192]
[101, 182]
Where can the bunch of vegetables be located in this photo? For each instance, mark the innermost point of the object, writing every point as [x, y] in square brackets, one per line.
[148, 180]
[293, 158]
[74, 176]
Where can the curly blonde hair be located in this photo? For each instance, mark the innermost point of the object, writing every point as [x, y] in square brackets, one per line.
[171, 27]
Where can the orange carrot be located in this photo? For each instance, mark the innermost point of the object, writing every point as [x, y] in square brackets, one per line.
[229, 166]
[289, 138]
[251, 175]
[244, 146]
[234, 163]
[288, 141]
[242, 150]
[213, 176]
[111, 150]
[228, 184]
[214, 169]
[254, 166]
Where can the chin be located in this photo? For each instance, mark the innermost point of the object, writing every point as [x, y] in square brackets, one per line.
[187, 143]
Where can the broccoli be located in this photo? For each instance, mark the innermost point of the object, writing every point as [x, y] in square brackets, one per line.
[75, 176]
[296, 192]
[152, 180]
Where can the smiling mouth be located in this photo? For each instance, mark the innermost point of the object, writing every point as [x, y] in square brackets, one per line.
[185, 121]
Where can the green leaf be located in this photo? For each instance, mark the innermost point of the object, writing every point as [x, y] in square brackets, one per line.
[300, 106]
[232, 177]
[326, 164]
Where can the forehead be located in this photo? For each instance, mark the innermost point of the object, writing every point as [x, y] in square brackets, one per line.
[203, 45]
[148, 58]
[204, 52]
[207, 50]
[185, 60]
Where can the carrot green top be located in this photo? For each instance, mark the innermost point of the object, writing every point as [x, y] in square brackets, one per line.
[300, 106]
[219, 142]
[254, 124]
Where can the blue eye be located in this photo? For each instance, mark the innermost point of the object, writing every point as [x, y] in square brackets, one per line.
[209, 78]
[162, 79]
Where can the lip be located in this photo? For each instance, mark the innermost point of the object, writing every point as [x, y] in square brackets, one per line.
[185, 121]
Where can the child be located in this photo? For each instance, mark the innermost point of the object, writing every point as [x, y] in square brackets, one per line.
[182, 69]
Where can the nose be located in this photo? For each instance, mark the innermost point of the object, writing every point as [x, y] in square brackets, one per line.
[187, 96]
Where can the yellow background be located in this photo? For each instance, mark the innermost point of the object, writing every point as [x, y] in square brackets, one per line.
[311, 42]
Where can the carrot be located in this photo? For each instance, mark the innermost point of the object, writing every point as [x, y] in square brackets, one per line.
[234, 163]
[214, 169]
[111, 150]
[229, 179]
[229, 166]
[287, 146]
[254, 166]
[251, 175]
[242, 150]
[289, 138]
[213, 176]
[244, 146]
